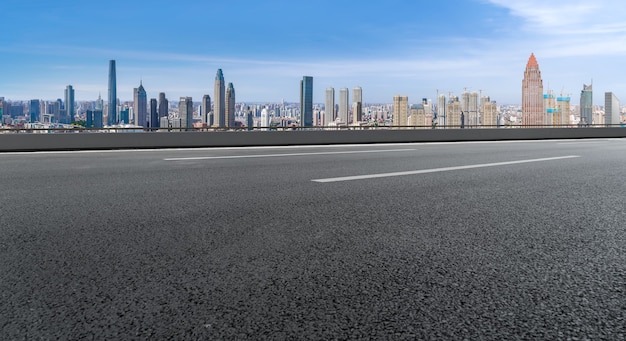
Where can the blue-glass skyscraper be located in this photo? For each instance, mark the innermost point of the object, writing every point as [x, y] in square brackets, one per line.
[306, 101]
[140, 105]
[69, 105]
[112, 112]
[93, 118]
[154, 114]
[34, 111]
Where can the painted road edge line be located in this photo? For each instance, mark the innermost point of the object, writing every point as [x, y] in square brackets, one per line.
[435, 170]
[286, 154]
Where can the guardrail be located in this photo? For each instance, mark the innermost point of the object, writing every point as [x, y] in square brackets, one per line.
[84, 139]
[81, 129]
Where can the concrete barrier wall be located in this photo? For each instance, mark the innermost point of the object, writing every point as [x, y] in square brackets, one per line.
[91, 141]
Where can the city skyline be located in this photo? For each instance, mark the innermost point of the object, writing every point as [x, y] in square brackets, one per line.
[485, 49]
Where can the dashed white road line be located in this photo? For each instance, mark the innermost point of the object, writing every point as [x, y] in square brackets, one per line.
[435, 170]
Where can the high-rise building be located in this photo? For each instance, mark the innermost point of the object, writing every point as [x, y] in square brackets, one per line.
[357, 99]
[586, 105]
[417, 116]
[400, 110]
[552, 115]
[124, 116]
[7, 109]
[564, 107]
[465, 106]
[154, 114]
[344, 106]
[306, 101]
[140, 105]
[329, 107]
[206, 110]
[185, 112]
[532, 95]
[2, 111]
[93, 118]
[219, 93]
[429, 115]
[99, 103]
[454, 118]
[112, 103]
[250, 119]
[70, 111]
[229, 115]
[441, 110]
[265, 118]
[164, 106]
[357, 112]
[34, 111]
[471, 109]
[611, 109]
[489, 113]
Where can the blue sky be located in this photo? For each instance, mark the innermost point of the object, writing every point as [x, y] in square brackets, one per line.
[388, 47]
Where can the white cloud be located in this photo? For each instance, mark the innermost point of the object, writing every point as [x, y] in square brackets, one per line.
[567, 17]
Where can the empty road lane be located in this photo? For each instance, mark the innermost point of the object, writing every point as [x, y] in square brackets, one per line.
[493, 240]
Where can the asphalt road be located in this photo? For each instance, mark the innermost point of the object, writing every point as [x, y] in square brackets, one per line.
[516, 240]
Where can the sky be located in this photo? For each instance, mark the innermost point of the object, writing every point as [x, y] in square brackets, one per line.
[395, 47]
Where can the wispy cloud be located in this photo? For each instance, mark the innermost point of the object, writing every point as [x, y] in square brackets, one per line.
[568, 17]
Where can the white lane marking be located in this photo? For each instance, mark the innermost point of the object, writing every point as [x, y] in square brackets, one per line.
[435, 170]
[285, 154]
[586, 142]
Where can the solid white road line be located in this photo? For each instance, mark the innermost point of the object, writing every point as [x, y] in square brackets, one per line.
[286, 154]
[435, 170]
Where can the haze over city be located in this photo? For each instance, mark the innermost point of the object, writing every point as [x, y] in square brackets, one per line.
[264, 48]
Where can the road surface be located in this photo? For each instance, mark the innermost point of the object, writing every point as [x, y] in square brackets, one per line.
[493, 240]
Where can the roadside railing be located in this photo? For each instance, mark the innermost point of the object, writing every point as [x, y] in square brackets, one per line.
[80, 129]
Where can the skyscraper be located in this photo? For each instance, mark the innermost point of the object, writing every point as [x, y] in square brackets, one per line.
[154, 114]
[112, 112]
[206, 110]
[344, 106]
[140, 105]
[164, 106]
[357, 112]
[93, 118]
[586, 105]
[219, 93]
[306, 101]
[185, 112]
[611, 109]
[532, 94]
[329, 107]
[400, 110]
[34, 111]
[230, 106]
[99, 103]
[70, 111]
